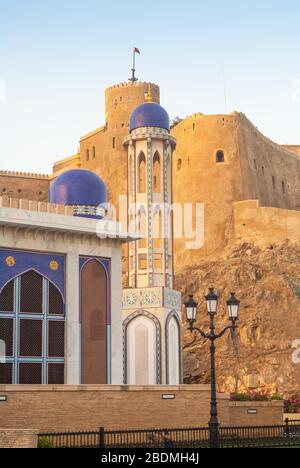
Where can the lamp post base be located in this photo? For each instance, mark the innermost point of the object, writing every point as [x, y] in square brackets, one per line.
[214, 433]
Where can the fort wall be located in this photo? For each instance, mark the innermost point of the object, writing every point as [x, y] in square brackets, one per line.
[254, 168]
[270, 173]
[264, 226]
[23, 185]
[197, 178]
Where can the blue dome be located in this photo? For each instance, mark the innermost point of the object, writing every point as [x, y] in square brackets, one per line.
[150, 114]
[78, 187]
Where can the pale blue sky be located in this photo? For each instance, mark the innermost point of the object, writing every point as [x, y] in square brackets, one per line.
[57, 57]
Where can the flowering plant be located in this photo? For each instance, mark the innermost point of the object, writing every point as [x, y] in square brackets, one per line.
[292, 405]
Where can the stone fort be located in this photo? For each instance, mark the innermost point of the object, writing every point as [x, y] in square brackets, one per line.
[250, 188]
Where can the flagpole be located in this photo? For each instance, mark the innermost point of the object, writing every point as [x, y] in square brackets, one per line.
[133, 70]
[133, 79]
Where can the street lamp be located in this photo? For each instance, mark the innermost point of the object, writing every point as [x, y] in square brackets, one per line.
[191, 312]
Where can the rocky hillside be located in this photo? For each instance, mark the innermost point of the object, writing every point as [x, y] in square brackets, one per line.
[259, 355]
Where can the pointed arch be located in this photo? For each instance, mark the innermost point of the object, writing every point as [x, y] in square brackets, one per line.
[142, 173]
[158, 228]
[156, 173]
[32, 323]
[142, 227]
[94, 323]
[174, 342]
[169, 178]
[142, 325]
[7, 297]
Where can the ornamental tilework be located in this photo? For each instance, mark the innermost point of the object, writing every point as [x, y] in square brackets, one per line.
[149, 298]
[172, 299]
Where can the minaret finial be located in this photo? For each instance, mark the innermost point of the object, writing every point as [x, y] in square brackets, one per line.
[149, 95]
[78, 160]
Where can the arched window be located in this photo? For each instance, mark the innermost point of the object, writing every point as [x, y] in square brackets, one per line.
[142, 179]
[141, 352]
[169, 178]
[179, 165]
[32, 309]
[173, 343]
[220, 157]
[94, 152]
[94, 323]
[158, 230]
[87, 155]
[156, 173]
[142, 228]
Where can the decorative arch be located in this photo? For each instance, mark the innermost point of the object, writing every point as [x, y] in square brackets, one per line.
[126, 324]
[32, 324]
[158, 228]
[39, 273]
[142, 173]
[157, 173]
[174, 316]
[94, 317]
[142, 226]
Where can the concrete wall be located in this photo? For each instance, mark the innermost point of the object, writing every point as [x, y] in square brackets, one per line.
[63, 408]
[267, 413]
[18, 439]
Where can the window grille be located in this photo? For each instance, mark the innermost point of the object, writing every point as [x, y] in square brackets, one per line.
[32, 312]
[56, 374]
[31, 338]
[6, 374]
[7, 298]
[30, 373]
[56, 305]
[56, 339]
[31, 293]
[7, 335]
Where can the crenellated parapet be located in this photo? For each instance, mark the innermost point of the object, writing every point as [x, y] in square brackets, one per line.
[130, 85]
[27, 175]
[32, 205]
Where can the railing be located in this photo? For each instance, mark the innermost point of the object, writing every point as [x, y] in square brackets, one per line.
[286, 435]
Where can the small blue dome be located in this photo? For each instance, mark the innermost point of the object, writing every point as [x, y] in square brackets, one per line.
[149, 114]
[78, 187]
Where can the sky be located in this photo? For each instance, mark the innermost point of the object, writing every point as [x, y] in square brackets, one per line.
[58, 56]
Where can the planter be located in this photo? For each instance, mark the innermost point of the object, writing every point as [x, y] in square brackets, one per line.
[256, 413]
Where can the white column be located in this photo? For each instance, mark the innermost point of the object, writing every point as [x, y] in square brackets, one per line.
[116, 319]
[73, 358]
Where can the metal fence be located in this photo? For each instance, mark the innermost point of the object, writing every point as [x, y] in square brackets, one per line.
[285, 435]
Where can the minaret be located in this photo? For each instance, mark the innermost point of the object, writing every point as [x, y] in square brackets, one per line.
[151, 308]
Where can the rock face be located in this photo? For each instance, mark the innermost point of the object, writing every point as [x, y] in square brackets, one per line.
[260, 354]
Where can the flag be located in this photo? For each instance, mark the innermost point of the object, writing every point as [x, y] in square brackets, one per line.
[137, 51]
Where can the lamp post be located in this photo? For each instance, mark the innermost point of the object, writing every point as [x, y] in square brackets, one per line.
[191, 313]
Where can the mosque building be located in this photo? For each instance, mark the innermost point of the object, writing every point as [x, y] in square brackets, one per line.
[61, 317]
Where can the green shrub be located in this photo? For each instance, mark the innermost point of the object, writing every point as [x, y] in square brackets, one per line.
[255, 396]
[45, 443]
